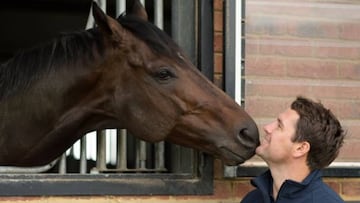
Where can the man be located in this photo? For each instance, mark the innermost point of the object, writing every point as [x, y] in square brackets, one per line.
[302, 140]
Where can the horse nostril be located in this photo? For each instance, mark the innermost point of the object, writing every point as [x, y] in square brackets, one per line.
[244, 131]
[244, 135]
[249, 137]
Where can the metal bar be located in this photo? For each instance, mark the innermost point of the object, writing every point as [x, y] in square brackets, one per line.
[62, 164]
[111, 146]
[121, 149]
[121, 162]
[229, 47]
[90, 21]
[36, 169]
[184, 31]
[183, 26]
[141, 154]
[160, 156]
[83, 161]
[102, 4]
[238, 51]
[120, 7]
[121, 133]
[159, 13]
[233, 58]
[159, 147]
[206, 38]
[100, 150]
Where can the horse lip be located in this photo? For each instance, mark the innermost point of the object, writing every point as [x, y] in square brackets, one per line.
[230, 157]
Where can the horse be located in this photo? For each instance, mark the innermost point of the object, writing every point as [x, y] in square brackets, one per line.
[124, 73]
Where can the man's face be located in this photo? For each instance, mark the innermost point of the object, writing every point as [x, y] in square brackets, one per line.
[276, 145]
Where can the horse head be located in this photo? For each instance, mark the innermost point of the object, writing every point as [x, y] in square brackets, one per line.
[158, 94]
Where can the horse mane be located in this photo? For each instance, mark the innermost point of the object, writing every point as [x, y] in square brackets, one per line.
[156, 39]
[33, 63]
[68, 48]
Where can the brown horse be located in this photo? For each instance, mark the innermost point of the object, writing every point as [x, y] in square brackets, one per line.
[126, 73]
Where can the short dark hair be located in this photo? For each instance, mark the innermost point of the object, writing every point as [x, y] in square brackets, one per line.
[318, 126]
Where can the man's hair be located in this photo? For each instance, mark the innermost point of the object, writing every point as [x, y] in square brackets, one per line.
[318, 126]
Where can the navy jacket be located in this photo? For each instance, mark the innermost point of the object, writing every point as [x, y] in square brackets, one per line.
[311, 190]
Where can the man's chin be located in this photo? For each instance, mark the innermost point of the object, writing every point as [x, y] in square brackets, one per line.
[259, 150]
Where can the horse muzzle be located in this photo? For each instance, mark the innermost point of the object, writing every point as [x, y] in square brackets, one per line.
[244, 146]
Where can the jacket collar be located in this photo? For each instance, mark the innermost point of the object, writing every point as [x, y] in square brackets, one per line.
[288, 189]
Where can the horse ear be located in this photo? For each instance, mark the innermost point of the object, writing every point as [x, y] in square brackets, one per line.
[107, 24]
[101, 18]
[138, 10]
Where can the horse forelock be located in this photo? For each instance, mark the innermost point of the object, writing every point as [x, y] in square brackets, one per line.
[157, 40]
[34, 63]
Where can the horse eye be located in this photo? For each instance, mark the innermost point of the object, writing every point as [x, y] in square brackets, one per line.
[164, 75]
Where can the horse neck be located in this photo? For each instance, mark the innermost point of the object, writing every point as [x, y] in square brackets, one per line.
[58, 92]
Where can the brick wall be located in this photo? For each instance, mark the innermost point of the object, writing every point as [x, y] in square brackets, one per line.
[309, 48]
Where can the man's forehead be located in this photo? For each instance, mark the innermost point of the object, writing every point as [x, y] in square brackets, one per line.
[289, 116]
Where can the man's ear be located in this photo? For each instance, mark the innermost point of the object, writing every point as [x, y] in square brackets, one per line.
[301, 149]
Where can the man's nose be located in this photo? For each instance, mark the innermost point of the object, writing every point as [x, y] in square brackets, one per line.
[268, 127]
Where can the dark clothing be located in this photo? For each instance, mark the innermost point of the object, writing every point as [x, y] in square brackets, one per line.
[311, 190]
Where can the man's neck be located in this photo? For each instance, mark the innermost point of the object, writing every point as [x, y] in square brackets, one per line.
[281, 173]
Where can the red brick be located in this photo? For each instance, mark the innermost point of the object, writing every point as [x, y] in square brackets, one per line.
[339, 91]
[251, 46]
[254, 25]
[351, 188]
[349, 70]
[313, 28]
[349, 51]
[350, 151]
[285, 9]
[265, 66]
[218, 21]
[352, 128]
[329, 29]
[268, 107]
[333, 185]
[328, 10]
[218, 169]
[275, 88]
[218, 5]
[218, 63]
[218, 42]
[336, 50]
[285, 47]
[312, 69]
[241, 188]
[344, 109]
[270, 25]
[218, 80]
[222, 189]
[350, 31]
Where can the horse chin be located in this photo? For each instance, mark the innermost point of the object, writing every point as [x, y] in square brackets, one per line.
[230, 158]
